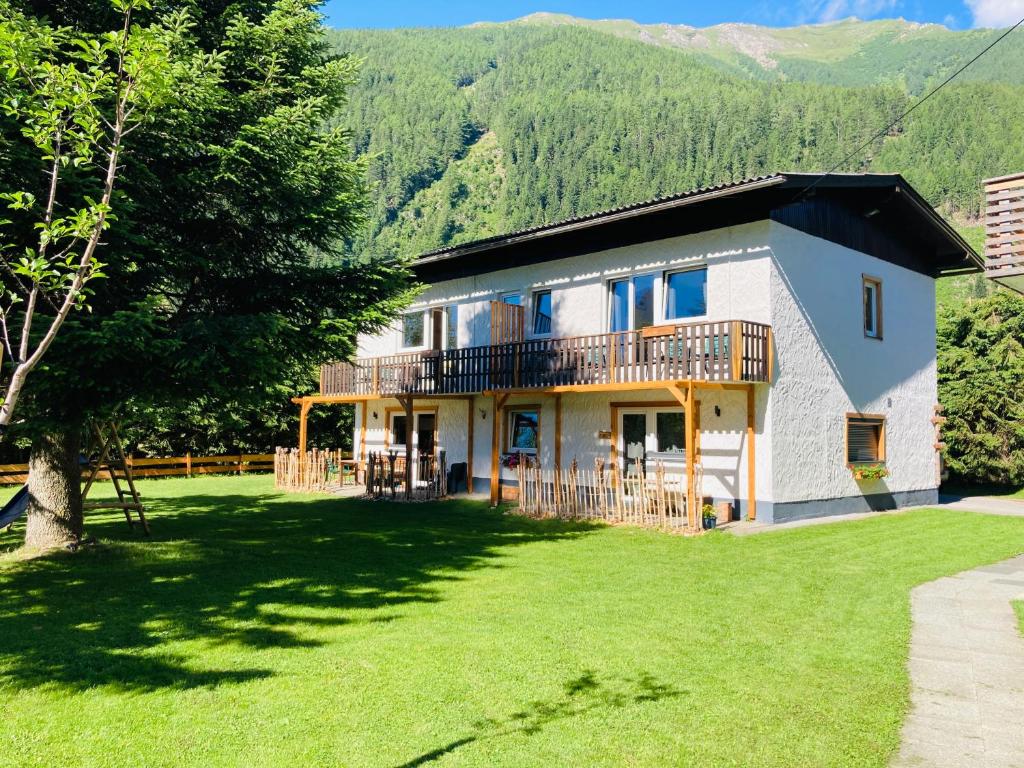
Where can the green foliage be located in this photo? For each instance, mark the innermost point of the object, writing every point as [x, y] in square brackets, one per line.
[556, 117]
[226, 273]
[981, 387]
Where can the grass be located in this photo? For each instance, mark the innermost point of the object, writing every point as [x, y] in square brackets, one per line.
[261, 630]
[1018, 606]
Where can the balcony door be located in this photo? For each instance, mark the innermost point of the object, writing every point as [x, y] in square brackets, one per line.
[631, 303]
[651, 435]
[424, 440]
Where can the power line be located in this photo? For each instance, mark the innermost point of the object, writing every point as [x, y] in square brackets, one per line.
[904, 116]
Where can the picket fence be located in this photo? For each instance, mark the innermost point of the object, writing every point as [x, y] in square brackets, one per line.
[652, 499]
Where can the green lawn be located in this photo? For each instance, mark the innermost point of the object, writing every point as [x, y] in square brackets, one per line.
[256, 629]
[1019, 608]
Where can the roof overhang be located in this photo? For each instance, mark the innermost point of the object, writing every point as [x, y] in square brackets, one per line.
[891, 204]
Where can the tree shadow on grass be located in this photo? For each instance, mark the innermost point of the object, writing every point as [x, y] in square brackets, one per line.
[256, 572]
[580, 695]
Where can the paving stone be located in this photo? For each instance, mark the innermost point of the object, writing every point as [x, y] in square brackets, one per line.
[966, 672]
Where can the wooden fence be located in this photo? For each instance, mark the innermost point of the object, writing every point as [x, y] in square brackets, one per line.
[652, 499]
[314, 471]
[168, 466]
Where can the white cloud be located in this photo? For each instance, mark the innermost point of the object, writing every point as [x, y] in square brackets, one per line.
[996, 13]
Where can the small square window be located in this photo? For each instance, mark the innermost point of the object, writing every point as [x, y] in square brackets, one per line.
[872, 307]
[865, 439]
[686, 294]
[512, 298]
[523, 431]
[671, 431]
[542, 313]
[412, 329]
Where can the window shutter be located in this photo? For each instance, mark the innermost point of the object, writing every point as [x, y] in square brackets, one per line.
[863, 440]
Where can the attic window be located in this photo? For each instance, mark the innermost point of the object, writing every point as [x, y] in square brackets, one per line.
[872, 307]
[865, 439]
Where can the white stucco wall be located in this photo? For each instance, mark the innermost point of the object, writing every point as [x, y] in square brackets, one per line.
[737, 285]
[826, 368]
[806, 288]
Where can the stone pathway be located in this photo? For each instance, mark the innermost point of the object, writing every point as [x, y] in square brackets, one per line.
[967, 672]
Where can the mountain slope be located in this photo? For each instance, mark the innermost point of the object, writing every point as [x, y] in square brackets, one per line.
[491, 128]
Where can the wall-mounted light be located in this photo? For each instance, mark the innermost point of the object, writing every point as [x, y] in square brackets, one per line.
[718, 411]
[483, 414]
[375, 417]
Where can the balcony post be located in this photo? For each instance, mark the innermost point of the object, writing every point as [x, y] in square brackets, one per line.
[736, 351]
[375, 383]
[751, 460]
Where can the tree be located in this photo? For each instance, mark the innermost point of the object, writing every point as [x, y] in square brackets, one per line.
[225, 272]
[74, 99]
[981, 387]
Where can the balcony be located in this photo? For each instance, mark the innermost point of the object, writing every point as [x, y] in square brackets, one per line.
[735, 351]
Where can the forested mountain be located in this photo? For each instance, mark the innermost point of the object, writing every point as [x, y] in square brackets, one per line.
[489, 128]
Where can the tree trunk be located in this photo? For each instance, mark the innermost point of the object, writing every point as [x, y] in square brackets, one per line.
[55, 491]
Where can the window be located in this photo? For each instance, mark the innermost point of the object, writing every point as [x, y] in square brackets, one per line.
[523, 431]
[872, 307]
[670, 433]
[512, 298]
[542, 313]
[865, 439]
[451, 316]
[631, 303]
[412, 329]
[686, 294]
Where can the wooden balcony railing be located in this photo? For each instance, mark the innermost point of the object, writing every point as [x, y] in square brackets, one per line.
[727, 351]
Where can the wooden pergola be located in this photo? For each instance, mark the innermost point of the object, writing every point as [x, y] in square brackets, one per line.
[682, 391]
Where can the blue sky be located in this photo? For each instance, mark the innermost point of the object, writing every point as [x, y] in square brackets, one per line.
[958, 14]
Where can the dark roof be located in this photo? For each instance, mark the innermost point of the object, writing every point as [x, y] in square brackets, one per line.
[879, 214]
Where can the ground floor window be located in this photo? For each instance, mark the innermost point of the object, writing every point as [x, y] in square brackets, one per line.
[865, 439]
[651, 434]
[523, 430]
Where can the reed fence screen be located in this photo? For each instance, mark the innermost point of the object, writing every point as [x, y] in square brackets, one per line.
[651, 499]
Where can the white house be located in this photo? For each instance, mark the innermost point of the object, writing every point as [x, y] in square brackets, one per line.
[781, 330]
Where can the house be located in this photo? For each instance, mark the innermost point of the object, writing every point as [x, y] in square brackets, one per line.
[766, 338]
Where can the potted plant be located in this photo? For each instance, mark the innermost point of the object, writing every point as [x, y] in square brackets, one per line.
[869, 471]
[710, 516]
[511, 460]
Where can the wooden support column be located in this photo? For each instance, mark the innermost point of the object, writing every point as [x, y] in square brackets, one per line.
[692, 513]
[558, 432]
[410, 433]
[470, 404]
[751, 455]
[303, 415]
[497, 410]
[361, 458]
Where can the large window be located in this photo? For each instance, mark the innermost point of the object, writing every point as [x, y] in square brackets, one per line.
[542, 313]
[631, 303]
[451, 316]
[686, 294]
[865, 439]
[670, 433]
[872, 307]
[412, 329]
[523, 431]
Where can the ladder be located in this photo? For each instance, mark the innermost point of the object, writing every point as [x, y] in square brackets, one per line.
[105, 444]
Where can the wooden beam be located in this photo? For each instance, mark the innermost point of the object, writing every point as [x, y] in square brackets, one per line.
[497, 411]
[303, 414]
[751, 455]
[692, 513]
[558, 432]
[682, 397]
[410, 433]
[470, 408]
[364, 407]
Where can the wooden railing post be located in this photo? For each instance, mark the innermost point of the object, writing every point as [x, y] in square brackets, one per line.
[375, 381]
[188, 463]
[736, 350]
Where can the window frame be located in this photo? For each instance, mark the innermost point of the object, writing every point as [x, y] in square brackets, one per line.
[665, 289]
[450, 311]
[880, 422]
[630, 280]
[518, 295]
[877, 316]
[508, 427]
[534, 296]
[424, 324]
